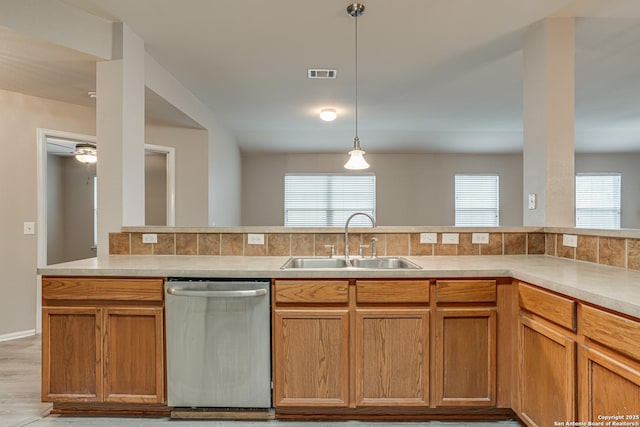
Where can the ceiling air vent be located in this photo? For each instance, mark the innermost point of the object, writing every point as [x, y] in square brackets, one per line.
[321, 73]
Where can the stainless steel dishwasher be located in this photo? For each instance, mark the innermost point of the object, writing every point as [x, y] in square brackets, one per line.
[218, 343]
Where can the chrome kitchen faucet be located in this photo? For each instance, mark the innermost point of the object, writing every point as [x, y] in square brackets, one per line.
[346, 231]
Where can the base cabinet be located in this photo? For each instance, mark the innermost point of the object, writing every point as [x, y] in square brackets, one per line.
[392, 357]
[103, 342]
[311, 357]
[71, 354]
[546, 374]
[610, 385]
[133, 355]
[465, 372]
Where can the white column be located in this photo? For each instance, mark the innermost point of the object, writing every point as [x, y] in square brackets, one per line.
[120, 121]
[549, 80]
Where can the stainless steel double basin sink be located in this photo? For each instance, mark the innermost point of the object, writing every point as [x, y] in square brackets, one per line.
[379, 263]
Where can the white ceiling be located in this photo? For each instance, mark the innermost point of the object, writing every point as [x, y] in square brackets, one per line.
[435, 75]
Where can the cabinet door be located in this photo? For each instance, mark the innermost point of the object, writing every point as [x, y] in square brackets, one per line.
[546, 374]
[134, 355]
[465, 372]
[311, 357]
[392, 357]
[71, 354]
[609, 385]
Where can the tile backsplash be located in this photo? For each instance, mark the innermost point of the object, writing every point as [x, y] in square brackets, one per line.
[614, 251]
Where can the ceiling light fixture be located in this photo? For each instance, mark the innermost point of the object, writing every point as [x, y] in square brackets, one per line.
[356, 156]
[328, 114]
[86, 153]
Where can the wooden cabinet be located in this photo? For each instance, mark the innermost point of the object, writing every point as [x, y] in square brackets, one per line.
[133, 354]
[103, 340]
[392, 343]
[71, 354]
[311, 357]
[546, 358]
[311, 343]
[609, 365]
[392, 357]
[465, 343]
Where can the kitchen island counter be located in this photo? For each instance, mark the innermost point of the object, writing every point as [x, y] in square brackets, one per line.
[609, 287]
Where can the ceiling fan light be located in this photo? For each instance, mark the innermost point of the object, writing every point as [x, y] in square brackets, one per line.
[356, 160]
[86, 153]
[328, 114]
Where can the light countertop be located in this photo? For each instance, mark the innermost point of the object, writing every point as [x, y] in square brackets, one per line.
[614, 288]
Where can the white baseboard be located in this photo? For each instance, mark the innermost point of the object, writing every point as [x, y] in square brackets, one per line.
[16, 335]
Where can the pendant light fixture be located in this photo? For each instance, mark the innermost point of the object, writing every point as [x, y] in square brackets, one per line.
[356, 156]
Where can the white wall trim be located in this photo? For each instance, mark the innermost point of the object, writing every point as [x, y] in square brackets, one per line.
[41, 219]
[16, 335]
[171, 179]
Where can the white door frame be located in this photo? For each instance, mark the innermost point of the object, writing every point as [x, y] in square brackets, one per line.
[171, 178]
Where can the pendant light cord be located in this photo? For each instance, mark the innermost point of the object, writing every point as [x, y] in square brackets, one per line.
[356, 67]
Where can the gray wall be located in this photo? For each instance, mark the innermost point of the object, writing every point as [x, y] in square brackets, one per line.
[69, 209]
[191, 170]
[412, 189]
[155, 189]
[418, 189]
[629, 165]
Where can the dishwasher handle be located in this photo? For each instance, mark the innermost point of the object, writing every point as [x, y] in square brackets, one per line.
[216, 294]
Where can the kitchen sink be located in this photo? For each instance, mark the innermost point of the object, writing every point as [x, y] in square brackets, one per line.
[384, 263]
[315, 263]
[393, 263]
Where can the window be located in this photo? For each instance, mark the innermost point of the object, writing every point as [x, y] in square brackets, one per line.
[477, 200]
[598, 200]
[327, 200]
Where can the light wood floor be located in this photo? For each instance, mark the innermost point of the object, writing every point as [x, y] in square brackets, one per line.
[20, 403]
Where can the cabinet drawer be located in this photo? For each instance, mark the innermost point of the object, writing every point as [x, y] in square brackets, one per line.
[613, 331]
[392, 291]
[557, 309]
[91, 288]
[312, 291]
[466, 290]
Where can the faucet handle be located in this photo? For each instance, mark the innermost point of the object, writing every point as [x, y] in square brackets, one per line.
[333, 250]
[360, 249]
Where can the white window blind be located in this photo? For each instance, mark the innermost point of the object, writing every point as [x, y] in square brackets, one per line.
[327, 200]
[598, 200]
[477, 200]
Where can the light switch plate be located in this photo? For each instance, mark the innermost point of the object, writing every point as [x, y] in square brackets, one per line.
[149, 238]
[29, 227]
[428, 238]
[532, 201]
[570, 240]
[255, 239]
[480, 238]
[450, 238]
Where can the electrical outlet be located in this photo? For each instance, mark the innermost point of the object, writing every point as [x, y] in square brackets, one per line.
[29, 227]
[428, 238]
[255, 239]
[149, 238]
[570, 240]
[480, 238]
[450, 238]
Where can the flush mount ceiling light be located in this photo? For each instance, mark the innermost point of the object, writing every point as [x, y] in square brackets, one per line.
[356, 156]
[86, 153]
[328, 114]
